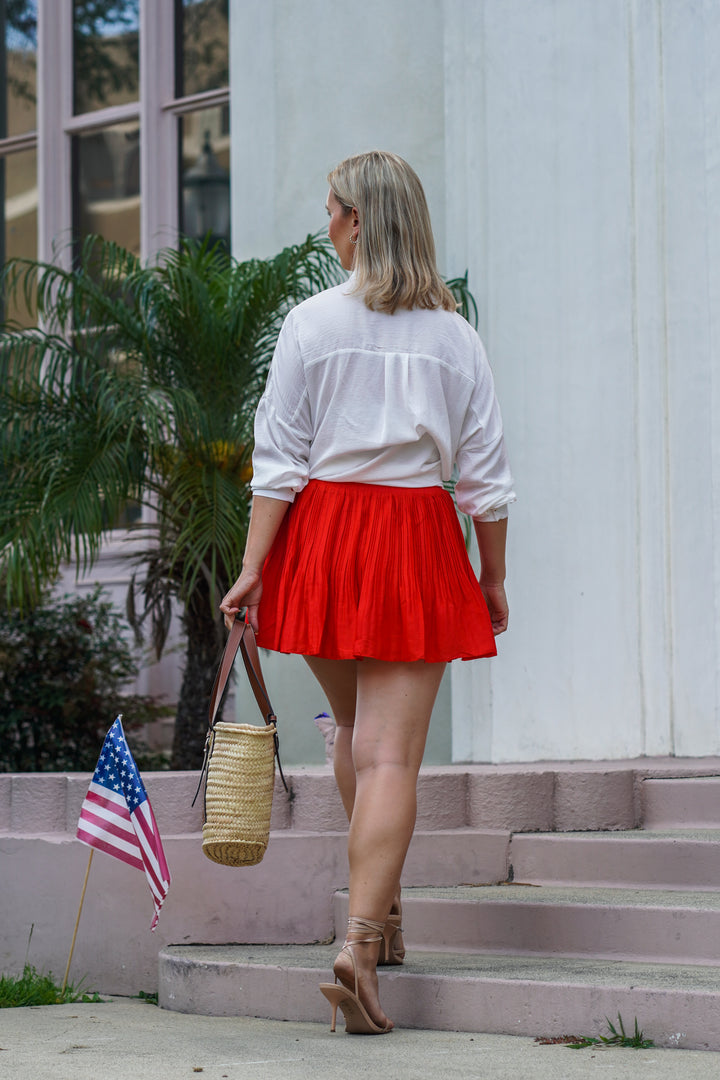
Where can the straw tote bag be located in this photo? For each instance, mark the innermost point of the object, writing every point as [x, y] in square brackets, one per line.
[239, 766]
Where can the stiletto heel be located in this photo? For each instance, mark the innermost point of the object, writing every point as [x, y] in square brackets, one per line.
[392, 946]
[357, 1019]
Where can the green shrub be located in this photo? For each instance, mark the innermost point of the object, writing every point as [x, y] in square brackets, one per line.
[33, 988]
[63, 667]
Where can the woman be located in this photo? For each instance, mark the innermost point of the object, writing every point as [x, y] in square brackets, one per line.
[355, 558]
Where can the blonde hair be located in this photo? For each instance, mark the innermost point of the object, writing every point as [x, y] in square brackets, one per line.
[394, 260]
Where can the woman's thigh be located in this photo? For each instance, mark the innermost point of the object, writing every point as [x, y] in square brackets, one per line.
[393, 708]
[338, 678]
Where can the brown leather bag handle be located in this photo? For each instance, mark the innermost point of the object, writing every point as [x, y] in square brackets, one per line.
[241, 636]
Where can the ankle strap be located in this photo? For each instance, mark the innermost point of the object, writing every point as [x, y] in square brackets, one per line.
[357, 925]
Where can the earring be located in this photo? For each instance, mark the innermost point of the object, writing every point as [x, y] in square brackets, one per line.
[355, 240]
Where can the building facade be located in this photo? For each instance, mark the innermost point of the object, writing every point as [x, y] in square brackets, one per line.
[570, 150]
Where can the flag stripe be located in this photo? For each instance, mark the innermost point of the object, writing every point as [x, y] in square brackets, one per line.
[108, 810]
[120, 842]
[107, 813]
[110, 849]
[110, 798]
[148, 842]
[104, 825]
[155, 881]
[164, 870]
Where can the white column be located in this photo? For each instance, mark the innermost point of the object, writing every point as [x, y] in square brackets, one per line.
[650, 349]
[252, 125]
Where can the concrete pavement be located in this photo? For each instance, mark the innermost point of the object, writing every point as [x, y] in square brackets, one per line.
[133, 1040]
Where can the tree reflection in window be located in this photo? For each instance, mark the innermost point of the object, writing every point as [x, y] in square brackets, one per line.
[106, 47]
[18, 61]
[202, 30]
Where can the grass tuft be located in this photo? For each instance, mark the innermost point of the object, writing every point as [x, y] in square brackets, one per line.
[150, 996]
[616, 1036]
[32, 988]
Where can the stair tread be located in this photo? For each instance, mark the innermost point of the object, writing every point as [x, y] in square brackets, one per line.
[462, 965]
[519, 893]
[699, 835]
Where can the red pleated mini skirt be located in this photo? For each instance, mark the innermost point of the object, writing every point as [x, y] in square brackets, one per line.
[363, 570]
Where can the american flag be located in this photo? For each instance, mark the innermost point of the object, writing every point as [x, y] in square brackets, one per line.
[117, 817]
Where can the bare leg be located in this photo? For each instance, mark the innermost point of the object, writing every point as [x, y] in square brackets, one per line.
[393, 706]
[338, 678]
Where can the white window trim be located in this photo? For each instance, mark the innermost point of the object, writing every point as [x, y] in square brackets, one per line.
[16, 143]
[194, 102]
[159, 182]
[54, 110]
[100, 118]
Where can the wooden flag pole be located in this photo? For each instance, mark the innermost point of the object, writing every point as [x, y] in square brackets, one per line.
[77, 921]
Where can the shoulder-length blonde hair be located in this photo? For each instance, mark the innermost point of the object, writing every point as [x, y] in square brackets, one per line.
[394, 261]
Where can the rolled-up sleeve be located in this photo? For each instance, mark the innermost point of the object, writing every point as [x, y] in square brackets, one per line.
[283, 430]
[484, 488]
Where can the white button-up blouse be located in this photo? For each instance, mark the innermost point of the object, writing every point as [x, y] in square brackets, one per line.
[355, 395]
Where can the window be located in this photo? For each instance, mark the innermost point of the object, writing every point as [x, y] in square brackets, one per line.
[202, 40]
[132, 136]
[106, 53]
[106, 156]
[106, 184]
[205, 178]
[203, 108]
[18, 138]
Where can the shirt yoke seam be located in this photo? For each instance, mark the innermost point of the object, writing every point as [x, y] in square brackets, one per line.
[384, 352]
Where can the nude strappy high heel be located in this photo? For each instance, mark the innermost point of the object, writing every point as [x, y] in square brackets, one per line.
[357, 1018]
[392, 946]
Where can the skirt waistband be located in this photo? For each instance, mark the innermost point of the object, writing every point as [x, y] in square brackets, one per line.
[377, 489]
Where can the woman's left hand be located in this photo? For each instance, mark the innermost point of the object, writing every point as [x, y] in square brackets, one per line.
[246, 592]
[497, 605]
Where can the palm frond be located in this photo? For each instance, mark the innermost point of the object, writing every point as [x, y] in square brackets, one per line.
[140, 384]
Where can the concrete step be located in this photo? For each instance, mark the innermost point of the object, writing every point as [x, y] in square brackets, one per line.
[688, 860]
[649, 926]
[674, 1005]
[681, 802]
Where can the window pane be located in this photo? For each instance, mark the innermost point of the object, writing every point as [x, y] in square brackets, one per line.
[18, 187]
[205, 180]
[106, 51]
[18, 43]
[203, 46]
[106, 184]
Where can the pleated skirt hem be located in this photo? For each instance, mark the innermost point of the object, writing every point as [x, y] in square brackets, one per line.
[366, 571]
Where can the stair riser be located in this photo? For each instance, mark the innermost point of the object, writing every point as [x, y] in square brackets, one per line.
[654, 935]
[494, 1006]
[687, 803]
[615, 862]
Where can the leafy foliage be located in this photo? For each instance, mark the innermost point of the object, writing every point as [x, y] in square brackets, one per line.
[62, 667]
[142, 386]
[32, 988]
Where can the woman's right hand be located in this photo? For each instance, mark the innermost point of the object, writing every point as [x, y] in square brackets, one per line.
[246, 592]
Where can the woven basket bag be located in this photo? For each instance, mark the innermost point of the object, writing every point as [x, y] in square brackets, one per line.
[239, 766]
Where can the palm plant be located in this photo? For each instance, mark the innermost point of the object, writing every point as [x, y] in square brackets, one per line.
[140, 386]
